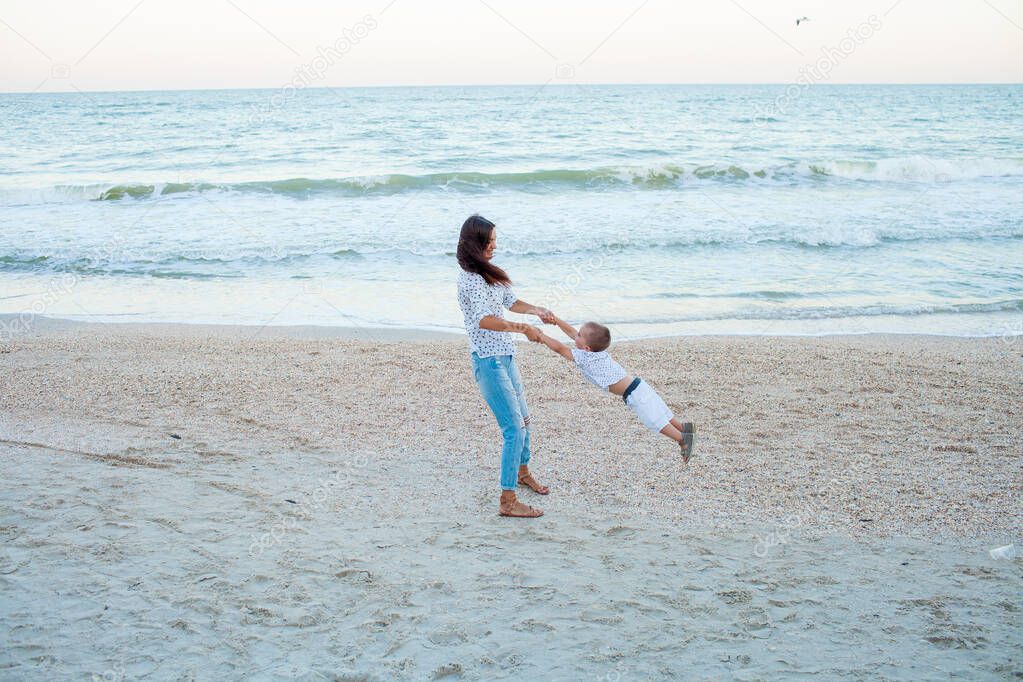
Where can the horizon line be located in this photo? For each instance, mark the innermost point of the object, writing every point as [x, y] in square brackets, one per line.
[79, 91]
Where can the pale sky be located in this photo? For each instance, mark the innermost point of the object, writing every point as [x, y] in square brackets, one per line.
[47, 46]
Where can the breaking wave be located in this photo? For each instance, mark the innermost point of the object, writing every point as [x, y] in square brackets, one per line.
[913, 169]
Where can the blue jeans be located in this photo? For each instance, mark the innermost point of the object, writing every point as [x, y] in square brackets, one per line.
[501, 386]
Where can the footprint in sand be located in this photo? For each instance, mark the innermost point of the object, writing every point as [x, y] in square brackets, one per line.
[447, 637]
[533, 625]
[448, 670]
[754, 619]
[735, 596]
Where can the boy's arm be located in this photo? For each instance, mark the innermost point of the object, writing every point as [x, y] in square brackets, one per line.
[557, 346]
[565, 327]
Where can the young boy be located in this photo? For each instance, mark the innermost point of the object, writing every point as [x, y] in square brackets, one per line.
[591, 357]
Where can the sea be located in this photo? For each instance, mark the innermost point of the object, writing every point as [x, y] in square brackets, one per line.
[655, 209]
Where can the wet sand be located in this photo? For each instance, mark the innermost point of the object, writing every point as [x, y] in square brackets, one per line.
[194, 501]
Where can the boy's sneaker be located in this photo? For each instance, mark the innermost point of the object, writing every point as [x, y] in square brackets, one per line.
[686, 446]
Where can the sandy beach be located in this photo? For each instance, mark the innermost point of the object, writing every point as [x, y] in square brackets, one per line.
[247, 248]
[194, 502]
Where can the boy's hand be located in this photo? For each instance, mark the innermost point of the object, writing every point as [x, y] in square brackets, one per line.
[546, 316]
[533, 334]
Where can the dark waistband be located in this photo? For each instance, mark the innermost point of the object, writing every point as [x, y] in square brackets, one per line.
[631, 388]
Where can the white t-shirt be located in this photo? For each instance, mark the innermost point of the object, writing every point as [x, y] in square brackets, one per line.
[477, 299]
[600, 369]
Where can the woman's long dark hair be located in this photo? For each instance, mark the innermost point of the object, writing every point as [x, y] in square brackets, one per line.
[472, 242]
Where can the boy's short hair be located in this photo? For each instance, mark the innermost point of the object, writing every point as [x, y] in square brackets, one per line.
[598, 337]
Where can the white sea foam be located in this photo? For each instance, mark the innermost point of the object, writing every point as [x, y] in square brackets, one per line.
[919, 169]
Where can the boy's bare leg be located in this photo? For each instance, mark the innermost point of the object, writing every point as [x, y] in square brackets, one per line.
[672, 431]
[675, 433]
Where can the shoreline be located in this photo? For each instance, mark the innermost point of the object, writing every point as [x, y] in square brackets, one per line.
[48, 324]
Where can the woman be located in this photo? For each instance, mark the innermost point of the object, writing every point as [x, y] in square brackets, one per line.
[484, 290]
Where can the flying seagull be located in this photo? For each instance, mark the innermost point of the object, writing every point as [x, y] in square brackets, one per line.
[801, 20]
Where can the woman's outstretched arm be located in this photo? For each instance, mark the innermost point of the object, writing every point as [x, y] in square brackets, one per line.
[497, 324]
[520, 306]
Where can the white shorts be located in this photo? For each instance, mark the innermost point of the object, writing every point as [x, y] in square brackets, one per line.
[649, 407]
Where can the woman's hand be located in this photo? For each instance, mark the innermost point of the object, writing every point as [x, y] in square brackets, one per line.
[545, 315]
[523, 308]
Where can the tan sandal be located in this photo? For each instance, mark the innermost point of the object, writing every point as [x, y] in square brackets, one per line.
[519, 510]
[530, 482]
